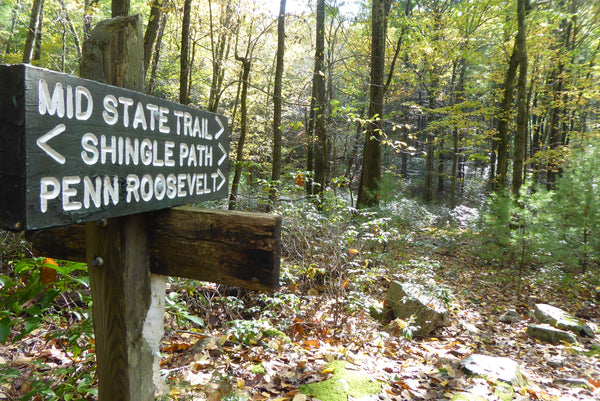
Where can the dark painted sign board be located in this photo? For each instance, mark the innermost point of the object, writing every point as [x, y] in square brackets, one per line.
[74, 150]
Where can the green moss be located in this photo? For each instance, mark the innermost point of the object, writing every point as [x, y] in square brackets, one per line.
[258, 369]
[504, 391]
[467, 397]
[343, 383]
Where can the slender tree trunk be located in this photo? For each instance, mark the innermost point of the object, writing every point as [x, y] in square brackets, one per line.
[429, 158]
[276, 167]
[246, 64]
[371, 167]
[503, 120]
[522, 106]
[441, 158]
[156, 10]
[37, 48]
[72, 29]
[156, 54]
[321, 149]
[31, 31]
[13, 25]
[184, 97]
[220, 52]
[454, 172]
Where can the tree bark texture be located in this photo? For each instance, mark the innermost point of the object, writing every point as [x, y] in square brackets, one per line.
[156, 10]
[184, 69]
[320, 152]
[34, 17]
[237, 174]
[277, 101]
[117, 250]
[371, 166]
[504, 121]
[522, 104]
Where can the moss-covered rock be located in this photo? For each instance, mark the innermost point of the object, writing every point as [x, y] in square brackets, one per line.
[342, 384]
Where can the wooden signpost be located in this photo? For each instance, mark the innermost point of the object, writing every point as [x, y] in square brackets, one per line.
[99, 152]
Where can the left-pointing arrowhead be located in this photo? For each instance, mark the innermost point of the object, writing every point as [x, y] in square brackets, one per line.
[42, 143]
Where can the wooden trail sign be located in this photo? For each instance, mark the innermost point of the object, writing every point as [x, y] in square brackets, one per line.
[75, 150]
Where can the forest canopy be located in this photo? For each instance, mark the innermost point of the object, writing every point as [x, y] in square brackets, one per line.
[444, 100]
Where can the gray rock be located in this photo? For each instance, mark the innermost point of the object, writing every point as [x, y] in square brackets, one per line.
[510, 317]
[572, 382]
[556, 361]
[560, 319]
[504, 369]
[406, 300]
[549, 334]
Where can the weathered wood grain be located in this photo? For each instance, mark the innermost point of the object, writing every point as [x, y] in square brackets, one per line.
[227, 247]
[117, 252]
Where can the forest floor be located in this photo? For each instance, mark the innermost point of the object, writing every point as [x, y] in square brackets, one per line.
[324, 328]
[278, 346]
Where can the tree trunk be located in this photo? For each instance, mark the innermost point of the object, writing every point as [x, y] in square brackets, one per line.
[156, 10]
[371, 167]
[522, 106]
[276, 167]
[156, 55]
[318, 110]
[31, 31]
[246, 64]
[184, 97]
[37, 48]
[13, 24]
[72, 29]
[220, 52]
[503, 121]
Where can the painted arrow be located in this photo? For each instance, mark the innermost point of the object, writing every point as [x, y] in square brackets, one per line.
[219, 173]
[218, 134]
[222, 159]
[42, 143]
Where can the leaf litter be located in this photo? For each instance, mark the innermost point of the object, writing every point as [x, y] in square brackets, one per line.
[297, 333]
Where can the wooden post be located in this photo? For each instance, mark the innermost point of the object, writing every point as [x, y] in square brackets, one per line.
[117, 249]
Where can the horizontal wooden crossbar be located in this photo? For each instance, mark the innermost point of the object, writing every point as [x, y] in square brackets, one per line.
[227, 247]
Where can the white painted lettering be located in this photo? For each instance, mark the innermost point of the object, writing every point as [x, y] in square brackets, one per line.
[163, 120]
[169, 145]
[146, 187]
[89, 142]
[126, 102]
[140, 117]
[178, 114]
[146, 152]
[110, 113]
[51, 105]
[68, 192]
[80, 113]
[49, 189]
[92, 191]
[111, 149]
[131, 190]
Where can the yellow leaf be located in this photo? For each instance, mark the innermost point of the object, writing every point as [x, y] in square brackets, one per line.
[444, 383]
[353, 251]
[327, 371]
[241, 383]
